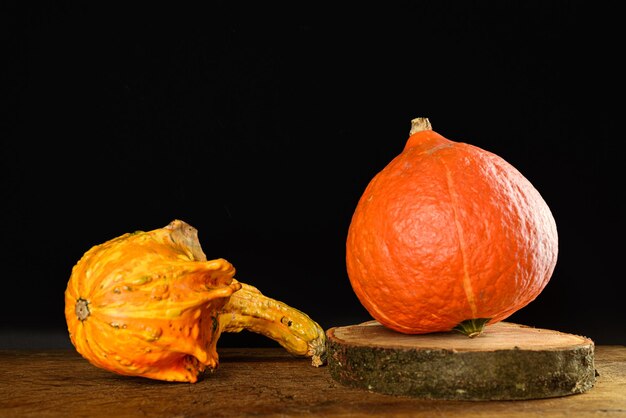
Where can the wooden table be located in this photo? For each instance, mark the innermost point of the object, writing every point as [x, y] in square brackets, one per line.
[261, 382]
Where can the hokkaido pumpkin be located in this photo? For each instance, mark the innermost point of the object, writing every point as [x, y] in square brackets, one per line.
[448, 236]
[150, 304]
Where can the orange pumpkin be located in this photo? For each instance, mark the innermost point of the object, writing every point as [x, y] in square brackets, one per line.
[150, 304]
[448, 236]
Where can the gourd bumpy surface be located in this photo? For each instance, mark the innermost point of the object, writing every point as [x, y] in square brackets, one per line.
[150, 304]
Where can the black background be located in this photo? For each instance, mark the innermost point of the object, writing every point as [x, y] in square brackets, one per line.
[261, 123]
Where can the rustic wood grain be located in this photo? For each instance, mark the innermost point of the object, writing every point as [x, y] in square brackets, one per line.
[261, 382]
[506, 362]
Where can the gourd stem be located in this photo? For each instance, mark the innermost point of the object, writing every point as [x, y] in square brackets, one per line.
[420, 124]
[249, 309]
[472, 327]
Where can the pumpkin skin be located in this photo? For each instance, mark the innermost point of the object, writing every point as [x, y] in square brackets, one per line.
[150, 304]
[448, 236]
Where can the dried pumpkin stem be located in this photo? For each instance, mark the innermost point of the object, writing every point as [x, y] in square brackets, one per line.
[420, 124]
[249, 309]
[472, 327]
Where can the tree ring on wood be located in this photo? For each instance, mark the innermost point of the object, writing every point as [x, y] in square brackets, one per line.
[507, 362]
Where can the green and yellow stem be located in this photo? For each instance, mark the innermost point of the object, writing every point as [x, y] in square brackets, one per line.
[294, 330]
[472, 327]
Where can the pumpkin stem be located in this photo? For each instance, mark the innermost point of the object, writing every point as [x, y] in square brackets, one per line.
[420, 124]
[249, 309]
[472, 327]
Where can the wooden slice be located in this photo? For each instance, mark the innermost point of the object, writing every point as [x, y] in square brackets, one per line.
[506, 362]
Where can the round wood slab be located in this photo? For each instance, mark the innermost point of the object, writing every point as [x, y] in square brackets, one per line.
[506, 362]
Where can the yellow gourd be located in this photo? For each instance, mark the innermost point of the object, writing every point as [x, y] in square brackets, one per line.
[150, 304]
